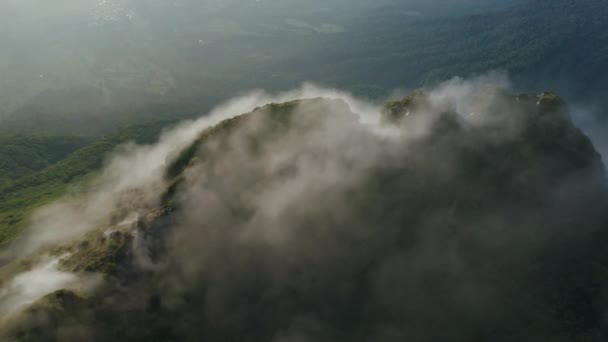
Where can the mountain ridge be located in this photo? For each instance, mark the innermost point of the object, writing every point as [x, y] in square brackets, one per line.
[340, 240]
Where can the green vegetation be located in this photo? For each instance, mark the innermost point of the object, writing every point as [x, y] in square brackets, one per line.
[20, 196]
[396, 110]
[104, 77]
[22, 155]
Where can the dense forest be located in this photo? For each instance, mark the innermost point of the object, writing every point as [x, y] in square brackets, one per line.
[112, 61]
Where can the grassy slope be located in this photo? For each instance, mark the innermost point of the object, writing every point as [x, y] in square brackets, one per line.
[20, 197]
[22, 155]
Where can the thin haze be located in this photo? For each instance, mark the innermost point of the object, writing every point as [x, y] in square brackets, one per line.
[132, 181]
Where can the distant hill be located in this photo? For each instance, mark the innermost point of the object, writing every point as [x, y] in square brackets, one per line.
[118, 57]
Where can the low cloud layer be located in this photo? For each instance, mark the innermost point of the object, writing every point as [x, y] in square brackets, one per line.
[30, 286]
[333, 230]
[133, 175]
[130, 185]
[475, 215]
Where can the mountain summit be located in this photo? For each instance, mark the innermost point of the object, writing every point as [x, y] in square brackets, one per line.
[445, 216]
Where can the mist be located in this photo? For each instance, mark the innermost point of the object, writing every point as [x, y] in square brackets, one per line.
[317, 243]
[133, 176]
[128, 188]
[30, 286]
[293, 171]
[320, 220]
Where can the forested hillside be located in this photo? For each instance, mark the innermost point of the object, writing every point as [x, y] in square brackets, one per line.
[21, 155]
[36, 170]
[98, 65]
